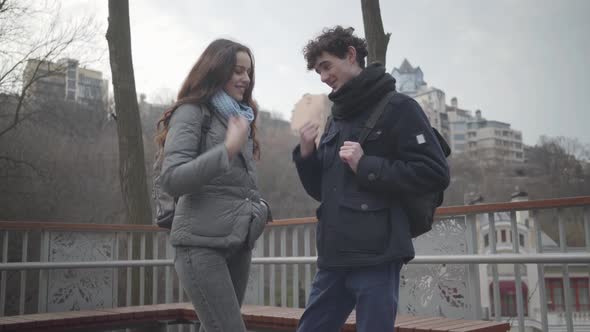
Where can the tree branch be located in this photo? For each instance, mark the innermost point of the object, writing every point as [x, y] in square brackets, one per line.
[17, 162]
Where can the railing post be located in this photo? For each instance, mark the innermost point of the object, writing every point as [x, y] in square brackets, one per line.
[295, 252]
[128, 285]
[541, 274]
[587, 229]
[155, 255]
[43, 279]
[3, 274]
[272, 277]
[474, 285]
[517, 272]
[307, 253]
[168, 281]
[260, 253]
[116, 272]
[283, 267]
[142, 269]
[253, 294]
[566, 274]
[496, 283]
[23, 274]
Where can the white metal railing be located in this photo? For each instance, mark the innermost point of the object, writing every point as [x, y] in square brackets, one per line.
[284, 262]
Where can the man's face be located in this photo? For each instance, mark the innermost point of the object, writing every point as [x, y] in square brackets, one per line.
[335, 71]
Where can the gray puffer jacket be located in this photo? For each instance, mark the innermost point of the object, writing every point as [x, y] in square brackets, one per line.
[219, 204]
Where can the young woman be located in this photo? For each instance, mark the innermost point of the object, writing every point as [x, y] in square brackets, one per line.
[209, 147]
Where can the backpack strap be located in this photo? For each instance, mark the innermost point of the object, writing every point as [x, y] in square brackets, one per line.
[328, 124]
[376, 114]
[205, 126]
[443, 143]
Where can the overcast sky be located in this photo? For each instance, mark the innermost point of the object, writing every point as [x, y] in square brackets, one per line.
[525, 62]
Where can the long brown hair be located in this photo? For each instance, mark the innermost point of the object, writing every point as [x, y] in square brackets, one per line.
[209, 74]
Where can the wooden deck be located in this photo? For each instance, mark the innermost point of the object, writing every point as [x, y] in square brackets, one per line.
[154, 317]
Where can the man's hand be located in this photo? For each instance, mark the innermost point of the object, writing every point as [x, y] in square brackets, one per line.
[351, 153]
[308, 134]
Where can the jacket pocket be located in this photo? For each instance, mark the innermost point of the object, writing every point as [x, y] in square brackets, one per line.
[364, 224]
[329, 147]
[257, 223]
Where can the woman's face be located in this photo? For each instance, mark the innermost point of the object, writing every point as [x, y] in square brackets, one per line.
[240, 79]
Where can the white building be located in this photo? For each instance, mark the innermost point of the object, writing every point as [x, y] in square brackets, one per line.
[66, 80]
[493, 140]
[410, 81]
[531, 284]
[458, 119]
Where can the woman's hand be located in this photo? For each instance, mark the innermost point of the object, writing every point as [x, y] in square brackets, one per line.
[236, 135]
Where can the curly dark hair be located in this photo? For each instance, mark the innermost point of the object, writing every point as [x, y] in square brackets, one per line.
[336, 42]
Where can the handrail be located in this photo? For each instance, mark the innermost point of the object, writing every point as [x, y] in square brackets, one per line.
[559, 258]
[515, 206]
[440, 213]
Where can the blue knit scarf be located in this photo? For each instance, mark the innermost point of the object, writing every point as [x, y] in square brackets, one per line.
[228, 106]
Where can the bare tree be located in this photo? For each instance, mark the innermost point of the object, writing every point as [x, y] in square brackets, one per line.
[131, 155]
[377, 39]
[32, 32]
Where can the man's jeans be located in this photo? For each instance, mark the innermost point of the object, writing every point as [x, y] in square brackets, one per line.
[374, 290]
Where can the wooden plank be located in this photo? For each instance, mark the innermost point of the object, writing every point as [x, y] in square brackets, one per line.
[484, 326]
[457, 324]
[409, 325]
[17, 323]
[438, 325]
[254, 316]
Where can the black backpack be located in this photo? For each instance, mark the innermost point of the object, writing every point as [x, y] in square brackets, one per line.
[166, 204]
[420, 209]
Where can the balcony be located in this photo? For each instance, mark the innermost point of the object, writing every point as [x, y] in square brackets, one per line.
[56, 267]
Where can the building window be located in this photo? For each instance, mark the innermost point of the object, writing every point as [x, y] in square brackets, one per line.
[581, 294]
[579, 291]
[554, 291]
[486, 240]
[503, 232]
[508, 298]
[521, 240]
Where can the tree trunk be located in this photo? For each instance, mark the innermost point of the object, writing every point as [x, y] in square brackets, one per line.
[132, 172]
[377, 39]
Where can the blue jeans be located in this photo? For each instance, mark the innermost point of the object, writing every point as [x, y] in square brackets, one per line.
[373, 290]
[215, 280]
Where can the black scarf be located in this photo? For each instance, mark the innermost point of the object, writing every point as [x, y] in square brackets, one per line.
[361, 92]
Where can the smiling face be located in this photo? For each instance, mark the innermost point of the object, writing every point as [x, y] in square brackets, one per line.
[334, 71]
[240, 79]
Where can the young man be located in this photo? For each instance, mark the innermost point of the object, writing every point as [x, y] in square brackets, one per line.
[363, 234]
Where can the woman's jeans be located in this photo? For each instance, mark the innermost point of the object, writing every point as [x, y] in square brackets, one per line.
[215, 280]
